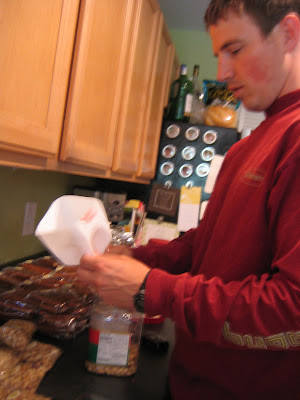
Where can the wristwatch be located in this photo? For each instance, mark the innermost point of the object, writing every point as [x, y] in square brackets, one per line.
[139, 297]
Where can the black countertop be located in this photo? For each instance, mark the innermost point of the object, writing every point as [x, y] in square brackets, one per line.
[69, 380]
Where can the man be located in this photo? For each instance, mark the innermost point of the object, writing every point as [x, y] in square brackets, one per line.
[232, 286]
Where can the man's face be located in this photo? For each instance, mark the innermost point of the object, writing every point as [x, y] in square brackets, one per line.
[251, 63]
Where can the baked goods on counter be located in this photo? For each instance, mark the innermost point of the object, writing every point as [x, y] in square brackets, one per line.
[8, 359]
[37, 295]
[13, 304]
[23, 362]
[24, 376]
[22, 395]
[40, 354]
[220, 115]
[48, 294]
[17, 333]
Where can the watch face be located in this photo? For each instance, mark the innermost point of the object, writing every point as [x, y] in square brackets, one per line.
[139, 301]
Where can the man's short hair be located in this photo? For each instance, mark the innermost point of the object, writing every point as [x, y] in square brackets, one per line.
[266, 13]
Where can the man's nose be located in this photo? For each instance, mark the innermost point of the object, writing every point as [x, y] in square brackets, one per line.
[225, 70]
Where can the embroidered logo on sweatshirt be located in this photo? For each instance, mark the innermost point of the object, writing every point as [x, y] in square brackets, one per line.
[282, 341]
[253, 177]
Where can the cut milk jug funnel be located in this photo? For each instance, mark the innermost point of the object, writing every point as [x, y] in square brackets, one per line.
[74, 226]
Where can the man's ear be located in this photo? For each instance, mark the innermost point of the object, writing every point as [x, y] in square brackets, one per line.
[290, 27]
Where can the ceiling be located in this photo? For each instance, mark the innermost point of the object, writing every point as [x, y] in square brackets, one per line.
[184, 14]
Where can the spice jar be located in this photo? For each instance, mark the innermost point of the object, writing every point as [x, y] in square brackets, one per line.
[114, 340]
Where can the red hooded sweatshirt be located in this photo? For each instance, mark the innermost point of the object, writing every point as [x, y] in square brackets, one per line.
[232, 286]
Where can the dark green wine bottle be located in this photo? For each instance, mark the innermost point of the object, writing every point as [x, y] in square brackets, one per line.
[181, 95]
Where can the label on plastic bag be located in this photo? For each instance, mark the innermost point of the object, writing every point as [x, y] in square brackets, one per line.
[108, 348]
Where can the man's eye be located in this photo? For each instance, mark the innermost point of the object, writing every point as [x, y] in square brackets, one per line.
[235, 51]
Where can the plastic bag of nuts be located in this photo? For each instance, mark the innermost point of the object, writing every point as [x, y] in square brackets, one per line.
[8, 359]
[114, 340]
[17, 333]
[41, 354]
[24, 395]
[24, 376]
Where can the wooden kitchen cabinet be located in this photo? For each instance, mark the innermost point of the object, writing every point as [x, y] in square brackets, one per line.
[36, 42]
[158, 99]
[97, 81]
[112, 78]
[83, 85]
[138, 87]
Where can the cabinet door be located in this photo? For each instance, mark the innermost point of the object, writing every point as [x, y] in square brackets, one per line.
[155, 106]
[97, 78]
[36, 42]
[131, 124]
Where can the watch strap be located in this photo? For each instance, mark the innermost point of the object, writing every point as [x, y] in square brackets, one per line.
[139, 297]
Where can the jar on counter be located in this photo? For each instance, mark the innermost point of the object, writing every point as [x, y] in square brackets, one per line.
[114, 340]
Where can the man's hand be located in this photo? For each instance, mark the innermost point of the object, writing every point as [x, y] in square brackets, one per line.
[121, 249]
[115, 278]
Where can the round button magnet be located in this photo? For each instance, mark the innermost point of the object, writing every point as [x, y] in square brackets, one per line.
[188, 153]
[210, 137]
[202, 170]
[173, 131]
[169, 151]
[167, 168]
[208, 153]
[186, 170]
[192, 133]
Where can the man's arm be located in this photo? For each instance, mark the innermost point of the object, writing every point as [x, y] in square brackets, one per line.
[258, 312]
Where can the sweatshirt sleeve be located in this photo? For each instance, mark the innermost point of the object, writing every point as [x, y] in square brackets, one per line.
[259, 312]
[174, 257]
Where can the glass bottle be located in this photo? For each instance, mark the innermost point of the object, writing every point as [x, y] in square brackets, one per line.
[181, 95]
[195, 80]
[198, 106]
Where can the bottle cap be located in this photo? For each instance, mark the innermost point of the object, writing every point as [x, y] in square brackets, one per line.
[183, 69]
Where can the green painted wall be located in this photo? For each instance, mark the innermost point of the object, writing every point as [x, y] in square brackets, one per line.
[19, 186]
[194, 47]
